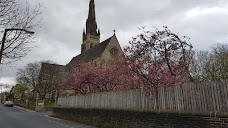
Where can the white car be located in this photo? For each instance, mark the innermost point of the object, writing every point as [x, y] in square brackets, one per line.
[8, 103]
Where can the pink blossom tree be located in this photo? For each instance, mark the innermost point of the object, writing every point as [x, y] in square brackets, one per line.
[81, 78]
[158, 58]
[153, 59]
[121, 77]
[87, 78]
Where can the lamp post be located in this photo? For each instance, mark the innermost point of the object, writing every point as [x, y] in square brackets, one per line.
[4, 38]
[1, 93]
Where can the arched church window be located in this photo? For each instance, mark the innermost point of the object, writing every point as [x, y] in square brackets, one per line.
[114, 51]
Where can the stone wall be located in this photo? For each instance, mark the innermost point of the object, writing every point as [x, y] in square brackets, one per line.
[104, 118]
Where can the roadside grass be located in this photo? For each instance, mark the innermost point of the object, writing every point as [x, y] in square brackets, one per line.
[49, 103]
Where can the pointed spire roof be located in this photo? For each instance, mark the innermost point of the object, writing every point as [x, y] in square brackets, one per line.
[91, 24]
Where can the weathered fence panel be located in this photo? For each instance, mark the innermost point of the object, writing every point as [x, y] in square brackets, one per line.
[211, 96]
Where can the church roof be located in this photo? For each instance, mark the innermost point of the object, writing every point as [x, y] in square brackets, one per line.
[49, 70]
[91, 54]
[45, 64]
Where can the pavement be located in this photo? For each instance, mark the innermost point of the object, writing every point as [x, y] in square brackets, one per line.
[23, 109]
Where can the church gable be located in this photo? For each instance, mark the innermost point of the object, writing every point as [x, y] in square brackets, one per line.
[112, 50]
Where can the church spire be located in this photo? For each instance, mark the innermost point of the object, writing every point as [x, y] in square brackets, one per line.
[90, 37]
[91, 24]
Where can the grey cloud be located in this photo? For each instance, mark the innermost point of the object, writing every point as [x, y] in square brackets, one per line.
[59, 39]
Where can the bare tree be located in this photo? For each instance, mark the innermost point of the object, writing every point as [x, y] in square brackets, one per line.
[211, 65]
[197, 66]
[16, 20]
[218, 67]
[222, 56]
[29, 76]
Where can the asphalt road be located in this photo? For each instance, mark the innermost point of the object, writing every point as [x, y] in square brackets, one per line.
[11, 117]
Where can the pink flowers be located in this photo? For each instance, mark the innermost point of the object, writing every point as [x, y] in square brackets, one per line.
[96, 79]
[153, 59]
[158, 58]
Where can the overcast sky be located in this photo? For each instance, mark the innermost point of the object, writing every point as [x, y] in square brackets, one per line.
[60, 37]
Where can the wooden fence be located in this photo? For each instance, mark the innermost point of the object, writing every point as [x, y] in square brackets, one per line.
[189, 97]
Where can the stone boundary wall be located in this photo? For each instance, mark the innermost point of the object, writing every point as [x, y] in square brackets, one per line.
[106, 118]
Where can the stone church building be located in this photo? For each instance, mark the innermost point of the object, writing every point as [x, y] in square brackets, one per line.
[92, 51]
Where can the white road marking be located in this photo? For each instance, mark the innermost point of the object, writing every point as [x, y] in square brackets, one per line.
[60, 123]
[51, 117]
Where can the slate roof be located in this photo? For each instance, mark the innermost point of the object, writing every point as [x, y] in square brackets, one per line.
[91, 54]
[53, 66]
[48, 70]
